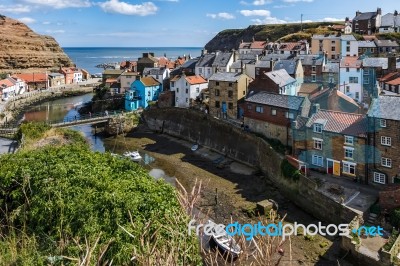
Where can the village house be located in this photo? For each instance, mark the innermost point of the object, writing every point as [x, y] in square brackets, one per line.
[142, 91]
[189, 68]
[390, 23]
[271, 114]
[312, 66]
[204, 65]
[367, 48]
[111, 75]
[10, 87]
[56, 79]
[187, 89]
[294, 68]
[33, 81]
[349, 45]
[130, 66]
[386, 46]
[278, 81]
[390, 83]
[125, 80]
[351, 77]
[327, 44]
[383, 140]
[223, 62]
[373, 68]
[330, 74]
[348, 26]
[161, 74]
[147, 60]
[334, 100]
[308, 89]
[332, 142]
[288, 48]
[252, 47]
[245, 63]
[225, 90]
[72, 74]
[367, 22]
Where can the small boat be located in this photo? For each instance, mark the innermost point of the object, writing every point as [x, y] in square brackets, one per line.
[195, 147]
[133, 155]
[224, 241]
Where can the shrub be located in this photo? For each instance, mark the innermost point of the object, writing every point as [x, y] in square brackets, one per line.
[289, 171]
[391, 240]
[395, 217]
[32, 130]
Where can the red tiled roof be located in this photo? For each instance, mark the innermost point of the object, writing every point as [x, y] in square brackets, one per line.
[340, 122]
[390, 76]
[258, 45]
[132, 63]
[394, 82]
[180, 61]
[111, 80]
[338, 27]
[288, 46]
[244, 45]
[351, 62]
[195, 80]
[149, 81]
[369, 37]
[32, 77]
[6, 82]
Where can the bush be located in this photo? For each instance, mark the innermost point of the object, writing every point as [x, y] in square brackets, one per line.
[32, 130]
[391, 240]
[395, 217]
[289, 171]
[66, 199]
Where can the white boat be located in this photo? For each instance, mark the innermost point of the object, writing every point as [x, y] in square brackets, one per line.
[195, 147]
[133, 155]
[224, 241]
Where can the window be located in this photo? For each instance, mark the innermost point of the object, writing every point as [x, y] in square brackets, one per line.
[249, 107]
[217, 104]
[230, 84]
[230, 94]
[348, 140]
[347, 89]
[318, 144]
[313, 68]
[230, 106]
[386, 162]
[216, 92]
[259, 109]
[349, 168]
[358, 70]
[318, 160]
[366, 80]
[357, 95]
[187, 91]
[197, 90]
[177, 99]
[217, 83]
[379, 178]
[187, 100]
[317, 128]
[348, 49]
[366, 72]
[333, 49]
[149, 93]
[382, 122]
[313, 78]
[289, 115]
[177, 90]
[387, 141]
[257, 71]
[347, 69]
[273, 112]
[333, 57]
[353, 79]
[209, 71]
[172, 83]
[348, 152]
[348, 43]
[200, 70]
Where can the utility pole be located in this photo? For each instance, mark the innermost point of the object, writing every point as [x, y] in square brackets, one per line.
[301, 22]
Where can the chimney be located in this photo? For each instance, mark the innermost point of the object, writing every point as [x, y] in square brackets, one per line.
[347, 19]
[392, 64]
[315, 108]
[396, 13]
[241, 67]
[138, 77]
[358, 13]
[253, 39]
[152, 54]
[379, 11]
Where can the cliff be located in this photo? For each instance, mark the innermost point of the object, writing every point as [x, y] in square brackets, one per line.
[22, 48]
[230, 39]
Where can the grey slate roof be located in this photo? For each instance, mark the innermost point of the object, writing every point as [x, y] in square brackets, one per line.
[323, 37]
[389, 20]
[263, 63]
[386, 43]
[56, 75]
[226, 76]
[366, 44]
[191, 63]
[248, 56]
[206, 60]
[288, 65]
[277, 100]
[153, 71]
[273, 57]
[348, 37]
[238, 63]
[386, 107]
[280, 77]
[222, 59]
[331, 67]
[365, 16]
[376, 62]
[311, 60]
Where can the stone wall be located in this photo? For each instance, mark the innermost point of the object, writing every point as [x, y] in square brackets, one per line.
[389, 198]
[250, 149]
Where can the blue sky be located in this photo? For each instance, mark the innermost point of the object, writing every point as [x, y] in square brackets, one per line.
[137, 23]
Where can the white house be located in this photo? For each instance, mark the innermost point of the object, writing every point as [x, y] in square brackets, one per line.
[204, 66]
[349, 45]
[223, 62]
[10, 87]
[187, 89]
[351, 77]
[390, 23]
[158, 73]
[77, 75]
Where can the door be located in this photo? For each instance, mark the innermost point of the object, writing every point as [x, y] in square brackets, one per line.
[329, 166]
[336, 168]
[224, 109]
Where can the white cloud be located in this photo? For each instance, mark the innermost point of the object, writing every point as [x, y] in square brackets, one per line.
[27, 20]
[296, 1]
[268, 20]
[46, 22]
[17, 9]
[256, 2]
[59, 4]
[282, 6]
[115, 6]
[221, 15]
[332, 19]
[55, 31]
[257, 12]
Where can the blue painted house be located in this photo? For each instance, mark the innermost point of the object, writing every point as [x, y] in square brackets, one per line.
[142, 91]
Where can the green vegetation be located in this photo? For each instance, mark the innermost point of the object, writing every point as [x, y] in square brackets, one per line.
[67, 205]
[394, 36]
[395, 217]
[289, 171]
[375, 208]
[392, 239]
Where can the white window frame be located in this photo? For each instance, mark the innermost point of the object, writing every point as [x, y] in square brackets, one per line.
[313, 78]
[382, 122]
[348, 151]
[386, 162]
[386, 141]
[379, 178]
[349, 140]
[259, 109]
[318, 143]
[317, 128]
[273, 112]
[346, 170]
[317, 160]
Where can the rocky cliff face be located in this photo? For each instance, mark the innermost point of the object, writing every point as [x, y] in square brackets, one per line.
[21, 48]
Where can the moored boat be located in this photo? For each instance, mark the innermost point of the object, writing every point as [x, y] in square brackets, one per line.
[133, 155]
[224, 241]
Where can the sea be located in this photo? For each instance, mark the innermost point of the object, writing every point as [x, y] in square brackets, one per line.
[89, 57]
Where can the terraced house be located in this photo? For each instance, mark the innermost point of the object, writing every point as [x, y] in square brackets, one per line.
[332, 142]
[384, 140]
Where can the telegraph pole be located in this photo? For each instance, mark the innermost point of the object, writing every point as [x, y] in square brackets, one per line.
[301, 22]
